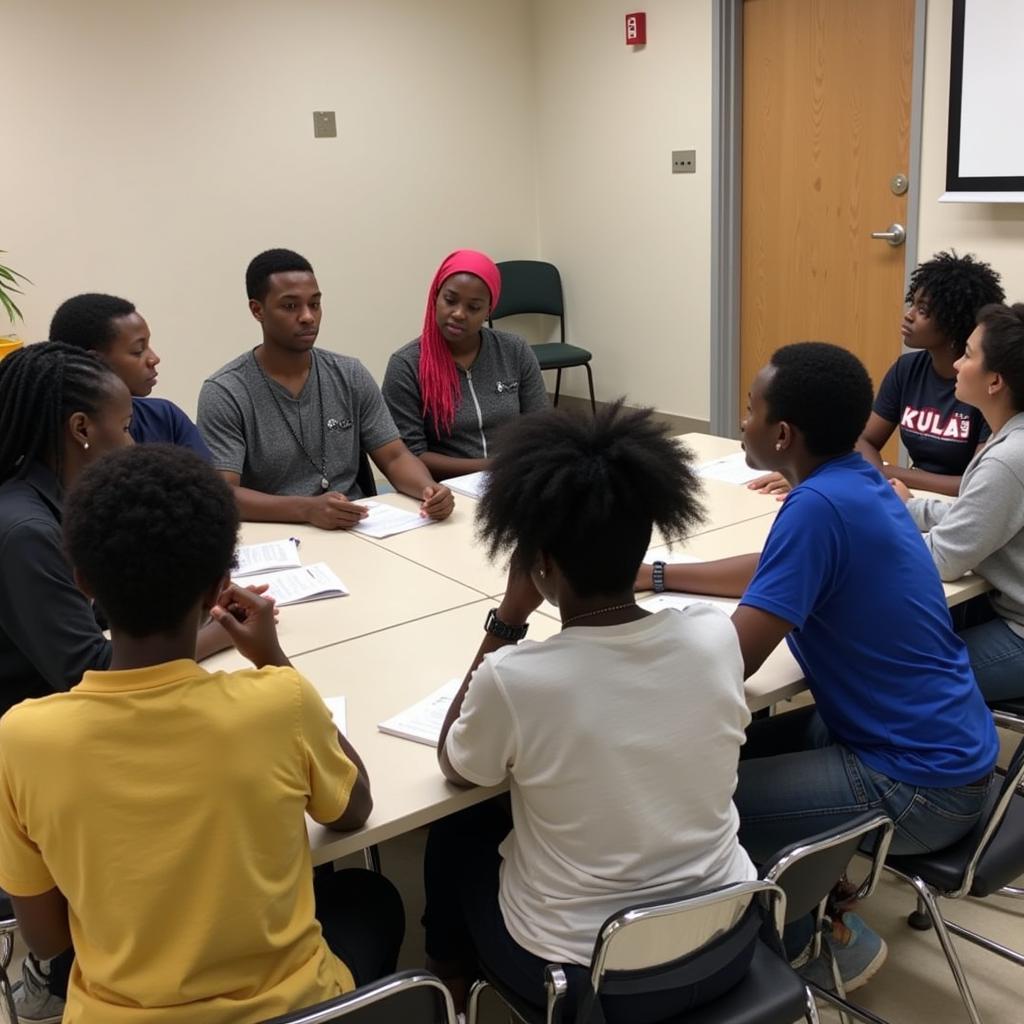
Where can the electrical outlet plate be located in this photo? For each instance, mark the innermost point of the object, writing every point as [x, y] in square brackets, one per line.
[324, 124]
[684, 161]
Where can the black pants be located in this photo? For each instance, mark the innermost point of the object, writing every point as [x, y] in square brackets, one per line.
[464, 924]
[361, 915]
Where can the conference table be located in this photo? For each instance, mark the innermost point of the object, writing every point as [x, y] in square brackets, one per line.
[413, 620]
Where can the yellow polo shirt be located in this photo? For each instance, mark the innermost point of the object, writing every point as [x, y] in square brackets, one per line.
[168, 805]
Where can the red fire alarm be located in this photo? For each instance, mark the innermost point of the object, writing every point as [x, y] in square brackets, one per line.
[636, 29]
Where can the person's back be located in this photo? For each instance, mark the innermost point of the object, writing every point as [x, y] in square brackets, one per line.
[155, 825]
[169, 805]
[890, 677]
[623, 743]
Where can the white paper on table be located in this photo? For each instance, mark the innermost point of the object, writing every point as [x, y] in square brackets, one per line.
[308, 583]
[670, 557]
[268, 557]
[471, 484]
[422, 722]
[732, 469]
[660, 601]
[386, 520]
[339, 712]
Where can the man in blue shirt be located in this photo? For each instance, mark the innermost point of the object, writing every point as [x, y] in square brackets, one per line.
[898, 723]
[114, 330]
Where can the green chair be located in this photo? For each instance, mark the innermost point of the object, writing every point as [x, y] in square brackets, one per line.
[532, 286]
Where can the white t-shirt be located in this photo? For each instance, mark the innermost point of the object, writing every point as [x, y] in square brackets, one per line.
[622, 744]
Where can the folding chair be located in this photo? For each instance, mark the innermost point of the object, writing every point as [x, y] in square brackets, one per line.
[412, 997]
[532, 286]
[808, 870]
[656, 946]
[983, 863]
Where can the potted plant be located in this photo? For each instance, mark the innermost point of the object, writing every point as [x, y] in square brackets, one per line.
[9, 280]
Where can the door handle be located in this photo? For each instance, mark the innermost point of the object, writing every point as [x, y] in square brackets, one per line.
[895, 235]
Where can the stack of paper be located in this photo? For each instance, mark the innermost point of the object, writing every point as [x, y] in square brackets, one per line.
[269, 557]
[295, 586]
[387, 520]
[422, 722]
[471, 485]
[732, 469]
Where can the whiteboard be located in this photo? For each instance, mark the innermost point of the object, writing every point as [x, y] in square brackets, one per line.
[985, 152]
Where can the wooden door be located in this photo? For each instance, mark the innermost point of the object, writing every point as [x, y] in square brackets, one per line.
[826, 125]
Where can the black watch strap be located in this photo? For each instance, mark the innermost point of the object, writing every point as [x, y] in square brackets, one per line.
[502, 630]
[658, 577]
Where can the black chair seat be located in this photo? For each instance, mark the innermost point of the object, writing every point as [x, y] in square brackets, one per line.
[560, 355]
[771, 993]
[6, 910]
[1009, 707]
[1000, 864]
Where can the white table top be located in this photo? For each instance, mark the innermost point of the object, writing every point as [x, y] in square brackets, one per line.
[414, 620]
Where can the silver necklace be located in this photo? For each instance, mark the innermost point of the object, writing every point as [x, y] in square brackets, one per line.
[321, 467]
[598, 611]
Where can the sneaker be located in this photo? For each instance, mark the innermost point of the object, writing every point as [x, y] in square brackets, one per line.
[858, 952]
[33, 1000]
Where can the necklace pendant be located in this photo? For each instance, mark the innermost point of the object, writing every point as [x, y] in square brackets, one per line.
[324, 483]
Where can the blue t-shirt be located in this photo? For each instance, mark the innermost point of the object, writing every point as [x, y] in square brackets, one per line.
[156, 419]
[846, 566]
[941, 433]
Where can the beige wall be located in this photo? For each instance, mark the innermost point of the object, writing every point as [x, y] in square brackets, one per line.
[994, 231]
[633, 240]
[150, 149]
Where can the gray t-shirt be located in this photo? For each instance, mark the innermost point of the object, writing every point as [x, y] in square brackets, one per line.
[246, 432]
[503, 382]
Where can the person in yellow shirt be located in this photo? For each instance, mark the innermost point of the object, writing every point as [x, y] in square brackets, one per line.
[154, 816]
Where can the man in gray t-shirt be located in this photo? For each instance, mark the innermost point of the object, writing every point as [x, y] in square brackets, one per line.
[288, 424]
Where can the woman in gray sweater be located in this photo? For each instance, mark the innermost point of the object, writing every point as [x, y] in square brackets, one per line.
[983, 528]
[451, 388]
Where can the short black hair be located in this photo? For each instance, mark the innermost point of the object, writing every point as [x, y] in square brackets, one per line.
[956, 287]
[1002, 346]
[273, 261]
[150, 529]
[86, 321]
[41, 385]
[824, 391]
[586, 491]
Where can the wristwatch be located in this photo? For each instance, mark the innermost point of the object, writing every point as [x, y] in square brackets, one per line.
[502, 630]
[658, 577]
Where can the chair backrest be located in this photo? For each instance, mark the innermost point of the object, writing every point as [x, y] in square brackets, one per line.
[529, 286]
[672, 935]
[806, 871]
[412, 997]
[998, 856]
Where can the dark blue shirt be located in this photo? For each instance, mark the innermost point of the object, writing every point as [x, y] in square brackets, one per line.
[941, 433]
[846, 566]
[156, 419]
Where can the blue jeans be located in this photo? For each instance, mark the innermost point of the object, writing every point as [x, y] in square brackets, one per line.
[997, 658]
[795, 781]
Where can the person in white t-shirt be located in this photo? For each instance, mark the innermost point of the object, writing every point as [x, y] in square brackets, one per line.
[620, 736]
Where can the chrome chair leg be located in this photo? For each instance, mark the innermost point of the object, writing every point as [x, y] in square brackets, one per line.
[931, 906]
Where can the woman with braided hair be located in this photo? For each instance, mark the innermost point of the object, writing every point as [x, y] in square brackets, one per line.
[454, 385]
[60, 409]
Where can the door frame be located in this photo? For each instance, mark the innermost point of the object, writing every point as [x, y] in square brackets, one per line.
[726, 206]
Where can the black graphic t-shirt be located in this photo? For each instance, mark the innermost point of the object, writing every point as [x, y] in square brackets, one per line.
[940, 433]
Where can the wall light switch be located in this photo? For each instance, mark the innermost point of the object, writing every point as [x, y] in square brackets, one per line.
[684, 161]
[324, 124]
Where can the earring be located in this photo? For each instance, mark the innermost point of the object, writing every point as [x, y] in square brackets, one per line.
[778, 446]
[85, 445]
[540, 573]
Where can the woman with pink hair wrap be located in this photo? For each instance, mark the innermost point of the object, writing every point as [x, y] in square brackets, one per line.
[454, 385]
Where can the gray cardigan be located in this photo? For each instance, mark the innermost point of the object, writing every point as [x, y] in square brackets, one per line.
[983, 529]
[504, 382]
